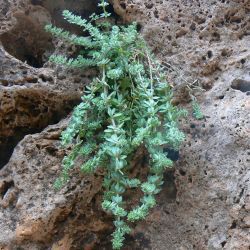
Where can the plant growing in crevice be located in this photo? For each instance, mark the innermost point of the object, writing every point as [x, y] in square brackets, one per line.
[197, 113]
[196, 109]
[126, 107]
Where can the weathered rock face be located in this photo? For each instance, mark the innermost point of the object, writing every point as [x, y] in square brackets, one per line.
[33, 215]
[208, 40]
[29, 101]
[203, 38]
[212, 180]
[32, 96]
[205, 205]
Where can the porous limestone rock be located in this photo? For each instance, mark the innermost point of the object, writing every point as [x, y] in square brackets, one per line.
[33, 94]
[205, 202]
[35, 216]
[200, 39]
[209, 42]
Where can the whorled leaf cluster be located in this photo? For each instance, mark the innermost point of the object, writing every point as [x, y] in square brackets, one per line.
[126, 107]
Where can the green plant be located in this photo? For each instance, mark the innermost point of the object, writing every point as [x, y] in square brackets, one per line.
[197, 110]
[126, 107]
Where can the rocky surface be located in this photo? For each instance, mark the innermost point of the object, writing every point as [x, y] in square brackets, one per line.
[33, 215]
[29, 101]
[201, 38]
[32, 95]
[205, 202]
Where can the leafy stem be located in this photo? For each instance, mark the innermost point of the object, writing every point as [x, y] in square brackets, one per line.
[127, 106]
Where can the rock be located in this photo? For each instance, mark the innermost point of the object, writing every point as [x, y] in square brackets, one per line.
[205, 201]
[37, 216]
[32, 95]
[212, 175]
[30, 100]
[198, 39]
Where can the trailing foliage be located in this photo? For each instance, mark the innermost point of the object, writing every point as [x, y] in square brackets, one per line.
[126, 107]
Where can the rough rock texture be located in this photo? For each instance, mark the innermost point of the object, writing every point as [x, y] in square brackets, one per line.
[211, 210]
[32, 95]
[202, 38]
[33, 215]
[209, 41]
[204, 205]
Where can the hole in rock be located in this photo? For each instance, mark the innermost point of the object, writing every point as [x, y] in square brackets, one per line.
[192, 126]
[31, 115]
[139, 27]
[223, 243]
[28, 41]
[169, 190]
[82, 8]
[36, 62]
[242, 61]
[149, 5]
[240, 84]
[156, 14]
[8, 144]
[209, 54]
[190, 179]
[123, 5]
[37, 2]
[182, 172]
[172, 154]
[5, 187]
[224, 52]
[233, 226]
[192, 26]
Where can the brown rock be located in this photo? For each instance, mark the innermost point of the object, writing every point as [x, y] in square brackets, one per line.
[205, 201]
[40, 216]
